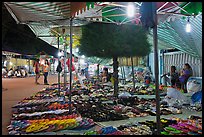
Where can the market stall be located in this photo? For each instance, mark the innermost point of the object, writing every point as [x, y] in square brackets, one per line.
[96, 111]
[107, 109]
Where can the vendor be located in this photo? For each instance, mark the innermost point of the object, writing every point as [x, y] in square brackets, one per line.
[105, 75]
[185, 73]
[173, 80]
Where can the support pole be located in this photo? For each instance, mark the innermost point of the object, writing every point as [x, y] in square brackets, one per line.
[133, 73]
[124, 75]
[156, 68]
[162, 65]
[148, 60]
[29, 65]
[58, 64]
[70, 68]
[65, 58]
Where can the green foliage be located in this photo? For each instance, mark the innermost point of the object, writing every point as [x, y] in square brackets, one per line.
[111, 40]
[97, 60]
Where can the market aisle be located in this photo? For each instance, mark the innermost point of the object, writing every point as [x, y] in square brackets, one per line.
[17, 90]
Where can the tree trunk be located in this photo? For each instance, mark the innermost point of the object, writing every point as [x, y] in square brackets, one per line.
[133, 74]
[124, 74]
[115, 75]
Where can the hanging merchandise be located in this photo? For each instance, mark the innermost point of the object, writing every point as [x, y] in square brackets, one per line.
[68, 63]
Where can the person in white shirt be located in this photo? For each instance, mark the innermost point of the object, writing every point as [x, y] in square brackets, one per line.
[18, 73]
[23, 72]
[4, 72]
[10, 73]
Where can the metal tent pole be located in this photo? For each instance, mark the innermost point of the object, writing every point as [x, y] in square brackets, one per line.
[29, 65]
[65, 57]
[124, 74]
[156, 68]
[70, 68]
[133, 73]
[58, 64]
[161, 65]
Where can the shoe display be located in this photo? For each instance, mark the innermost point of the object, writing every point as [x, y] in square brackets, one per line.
[48, 111]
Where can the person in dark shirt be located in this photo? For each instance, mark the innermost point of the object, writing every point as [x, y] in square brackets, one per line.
[174, 77]
[105, 75]
[37, 70]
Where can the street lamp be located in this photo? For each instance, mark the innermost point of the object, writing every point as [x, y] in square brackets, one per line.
[130, 10]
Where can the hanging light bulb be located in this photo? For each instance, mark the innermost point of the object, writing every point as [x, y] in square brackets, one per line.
[188, 26]
[83, 56]
[130, 10]
[59, 54]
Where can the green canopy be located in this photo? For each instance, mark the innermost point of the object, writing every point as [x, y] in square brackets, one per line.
[192, 7]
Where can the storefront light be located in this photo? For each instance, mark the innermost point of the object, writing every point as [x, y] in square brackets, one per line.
[83, 56]
[77, 49]
[82, 61]
[59, 54]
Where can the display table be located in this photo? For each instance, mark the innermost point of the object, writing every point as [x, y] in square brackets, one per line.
[186, 113]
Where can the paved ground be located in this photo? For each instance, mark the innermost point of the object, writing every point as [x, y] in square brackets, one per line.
[17, 90]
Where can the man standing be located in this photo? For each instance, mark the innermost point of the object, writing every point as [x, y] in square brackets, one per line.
[37, 71]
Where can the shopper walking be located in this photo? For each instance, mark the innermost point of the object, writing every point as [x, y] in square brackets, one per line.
[46, 69]
[37, 70]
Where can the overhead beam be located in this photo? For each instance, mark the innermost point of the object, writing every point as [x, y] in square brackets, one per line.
[173, 13]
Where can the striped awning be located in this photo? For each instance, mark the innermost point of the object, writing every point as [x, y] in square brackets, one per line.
[44, 17]
[173, 33]
[44, 12]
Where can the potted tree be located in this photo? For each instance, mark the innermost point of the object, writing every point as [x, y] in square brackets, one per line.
[106, 40]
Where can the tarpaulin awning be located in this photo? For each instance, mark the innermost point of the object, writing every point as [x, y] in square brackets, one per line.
[45, 18]
[173, 33]
[170, 18]
[18, 38]
[44, 12]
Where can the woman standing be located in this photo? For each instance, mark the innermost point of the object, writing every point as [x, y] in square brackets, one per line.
[46, 68]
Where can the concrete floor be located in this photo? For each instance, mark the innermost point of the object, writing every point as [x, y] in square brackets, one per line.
[17, 90]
